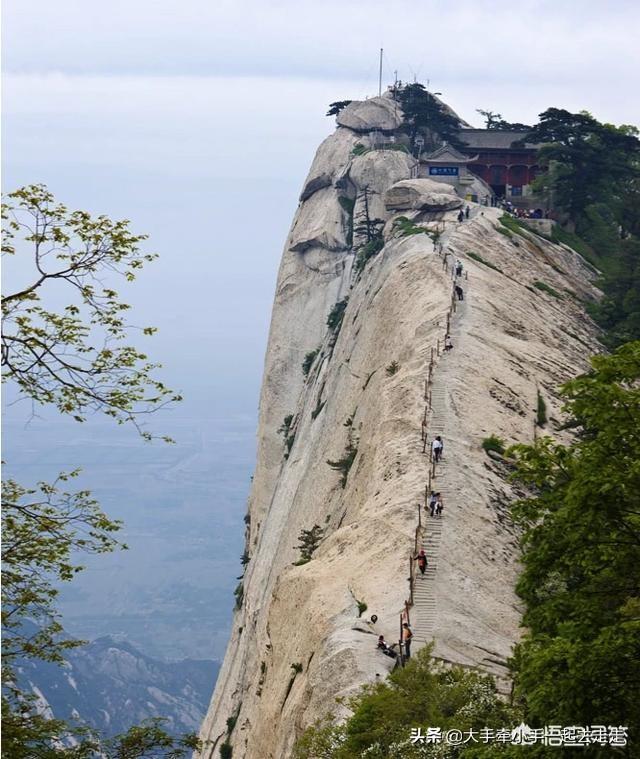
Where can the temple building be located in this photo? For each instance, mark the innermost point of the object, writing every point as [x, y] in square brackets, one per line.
[501, 160]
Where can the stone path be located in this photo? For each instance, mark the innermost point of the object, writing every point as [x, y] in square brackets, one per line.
[425, 588]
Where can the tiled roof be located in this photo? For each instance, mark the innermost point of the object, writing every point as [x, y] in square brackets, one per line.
[492, 139]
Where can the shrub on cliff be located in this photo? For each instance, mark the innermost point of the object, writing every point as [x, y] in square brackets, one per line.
[336, 315]
[309, 541]
[422, 694]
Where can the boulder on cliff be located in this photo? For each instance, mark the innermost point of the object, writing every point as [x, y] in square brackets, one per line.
[331, 158]
[421, 195]
[381, 113]
[320, 223]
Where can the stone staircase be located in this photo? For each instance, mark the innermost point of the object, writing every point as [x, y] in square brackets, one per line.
[425, 588]
[424, 591]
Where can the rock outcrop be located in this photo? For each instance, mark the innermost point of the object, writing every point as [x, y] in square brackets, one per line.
[421, 195]
[302, 635]
[381, 113]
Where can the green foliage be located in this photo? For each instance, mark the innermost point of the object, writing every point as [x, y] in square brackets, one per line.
[404, 227]
[362, 607]
[591, 161]
[239, 595]
[74, 357]
[309, 358]
[226, 750]
[309, 541]
[594, 179]
[335, 108]
[513, 224]
[359, 149]
[420, 694]
[336, 315]
[580, 657]
[541, 411]
[27, 734]
[286, 425]
[545, 288]
[393, 368]
[481, 260]
[45, 529]
[424, 114]
[296, 667]
[495, 121]
[345, 463]
[366, 252]
[493, 443]
[50, 354]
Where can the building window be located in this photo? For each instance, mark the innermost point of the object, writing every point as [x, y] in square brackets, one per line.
[516, 190]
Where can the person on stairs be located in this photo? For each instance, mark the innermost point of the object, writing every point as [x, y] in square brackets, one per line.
[461, 216]
[437, 448]
[459, 268]
[448, 345]
[406, 639]
[386, 650]
[421, 558]
[467, 211]
[439, 504]
[459, 292]
[433, 500]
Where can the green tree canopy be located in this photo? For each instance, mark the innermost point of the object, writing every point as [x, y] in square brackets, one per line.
[424, 113]
[594, 162]
[579, 662]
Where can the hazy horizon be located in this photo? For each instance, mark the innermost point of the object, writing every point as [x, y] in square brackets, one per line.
[200, 127]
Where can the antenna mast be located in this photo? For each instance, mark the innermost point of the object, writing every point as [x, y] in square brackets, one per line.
[380, 75]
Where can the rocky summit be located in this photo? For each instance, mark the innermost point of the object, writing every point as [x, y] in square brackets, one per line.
[364, 299]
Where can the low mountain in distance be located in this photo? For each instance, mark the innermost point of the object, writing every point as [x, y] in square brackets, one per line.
[110, 685]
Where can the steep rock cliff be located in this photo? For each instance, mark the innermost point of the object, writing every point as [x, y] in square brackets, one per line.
[298, 640]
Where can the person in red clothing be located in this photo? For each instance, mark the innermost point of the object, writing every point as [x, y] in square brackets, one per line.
[421, 558]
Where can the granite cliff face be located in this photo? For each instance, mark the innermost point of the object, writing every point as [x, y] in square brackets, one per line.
[298, 640]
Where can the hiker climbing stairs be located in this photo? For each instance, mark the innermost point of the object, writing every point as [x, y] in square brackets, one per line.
[424, 593]
[425, 590]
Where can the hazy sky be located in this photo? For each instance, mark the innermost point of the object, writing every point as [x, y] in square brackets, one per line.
[198, 120]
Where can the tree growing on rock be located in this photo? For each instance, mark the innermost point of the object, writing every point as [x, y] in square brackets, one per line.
[309, 541]
[424, 113]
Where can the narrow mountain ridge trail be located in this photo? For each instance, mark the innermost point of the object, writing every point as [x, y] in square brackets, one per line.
[339, 446]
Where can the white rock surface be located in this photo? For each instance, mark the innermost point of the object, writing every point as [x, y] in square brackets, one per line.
[421, 194]
[331, 158]
[381, 113]
[511, 340]
[321, 222]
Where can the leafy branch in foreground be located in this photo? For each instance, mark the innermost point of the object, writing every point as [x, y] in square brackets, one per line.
[73, 356]
[43, 531]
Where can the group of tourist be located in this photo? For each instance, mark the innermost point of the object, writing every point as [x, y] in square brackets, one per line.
[435, 502]
[524, 213]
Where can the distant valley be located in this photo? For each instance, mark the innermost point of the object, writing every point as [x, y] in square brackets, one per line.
[110, 685]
